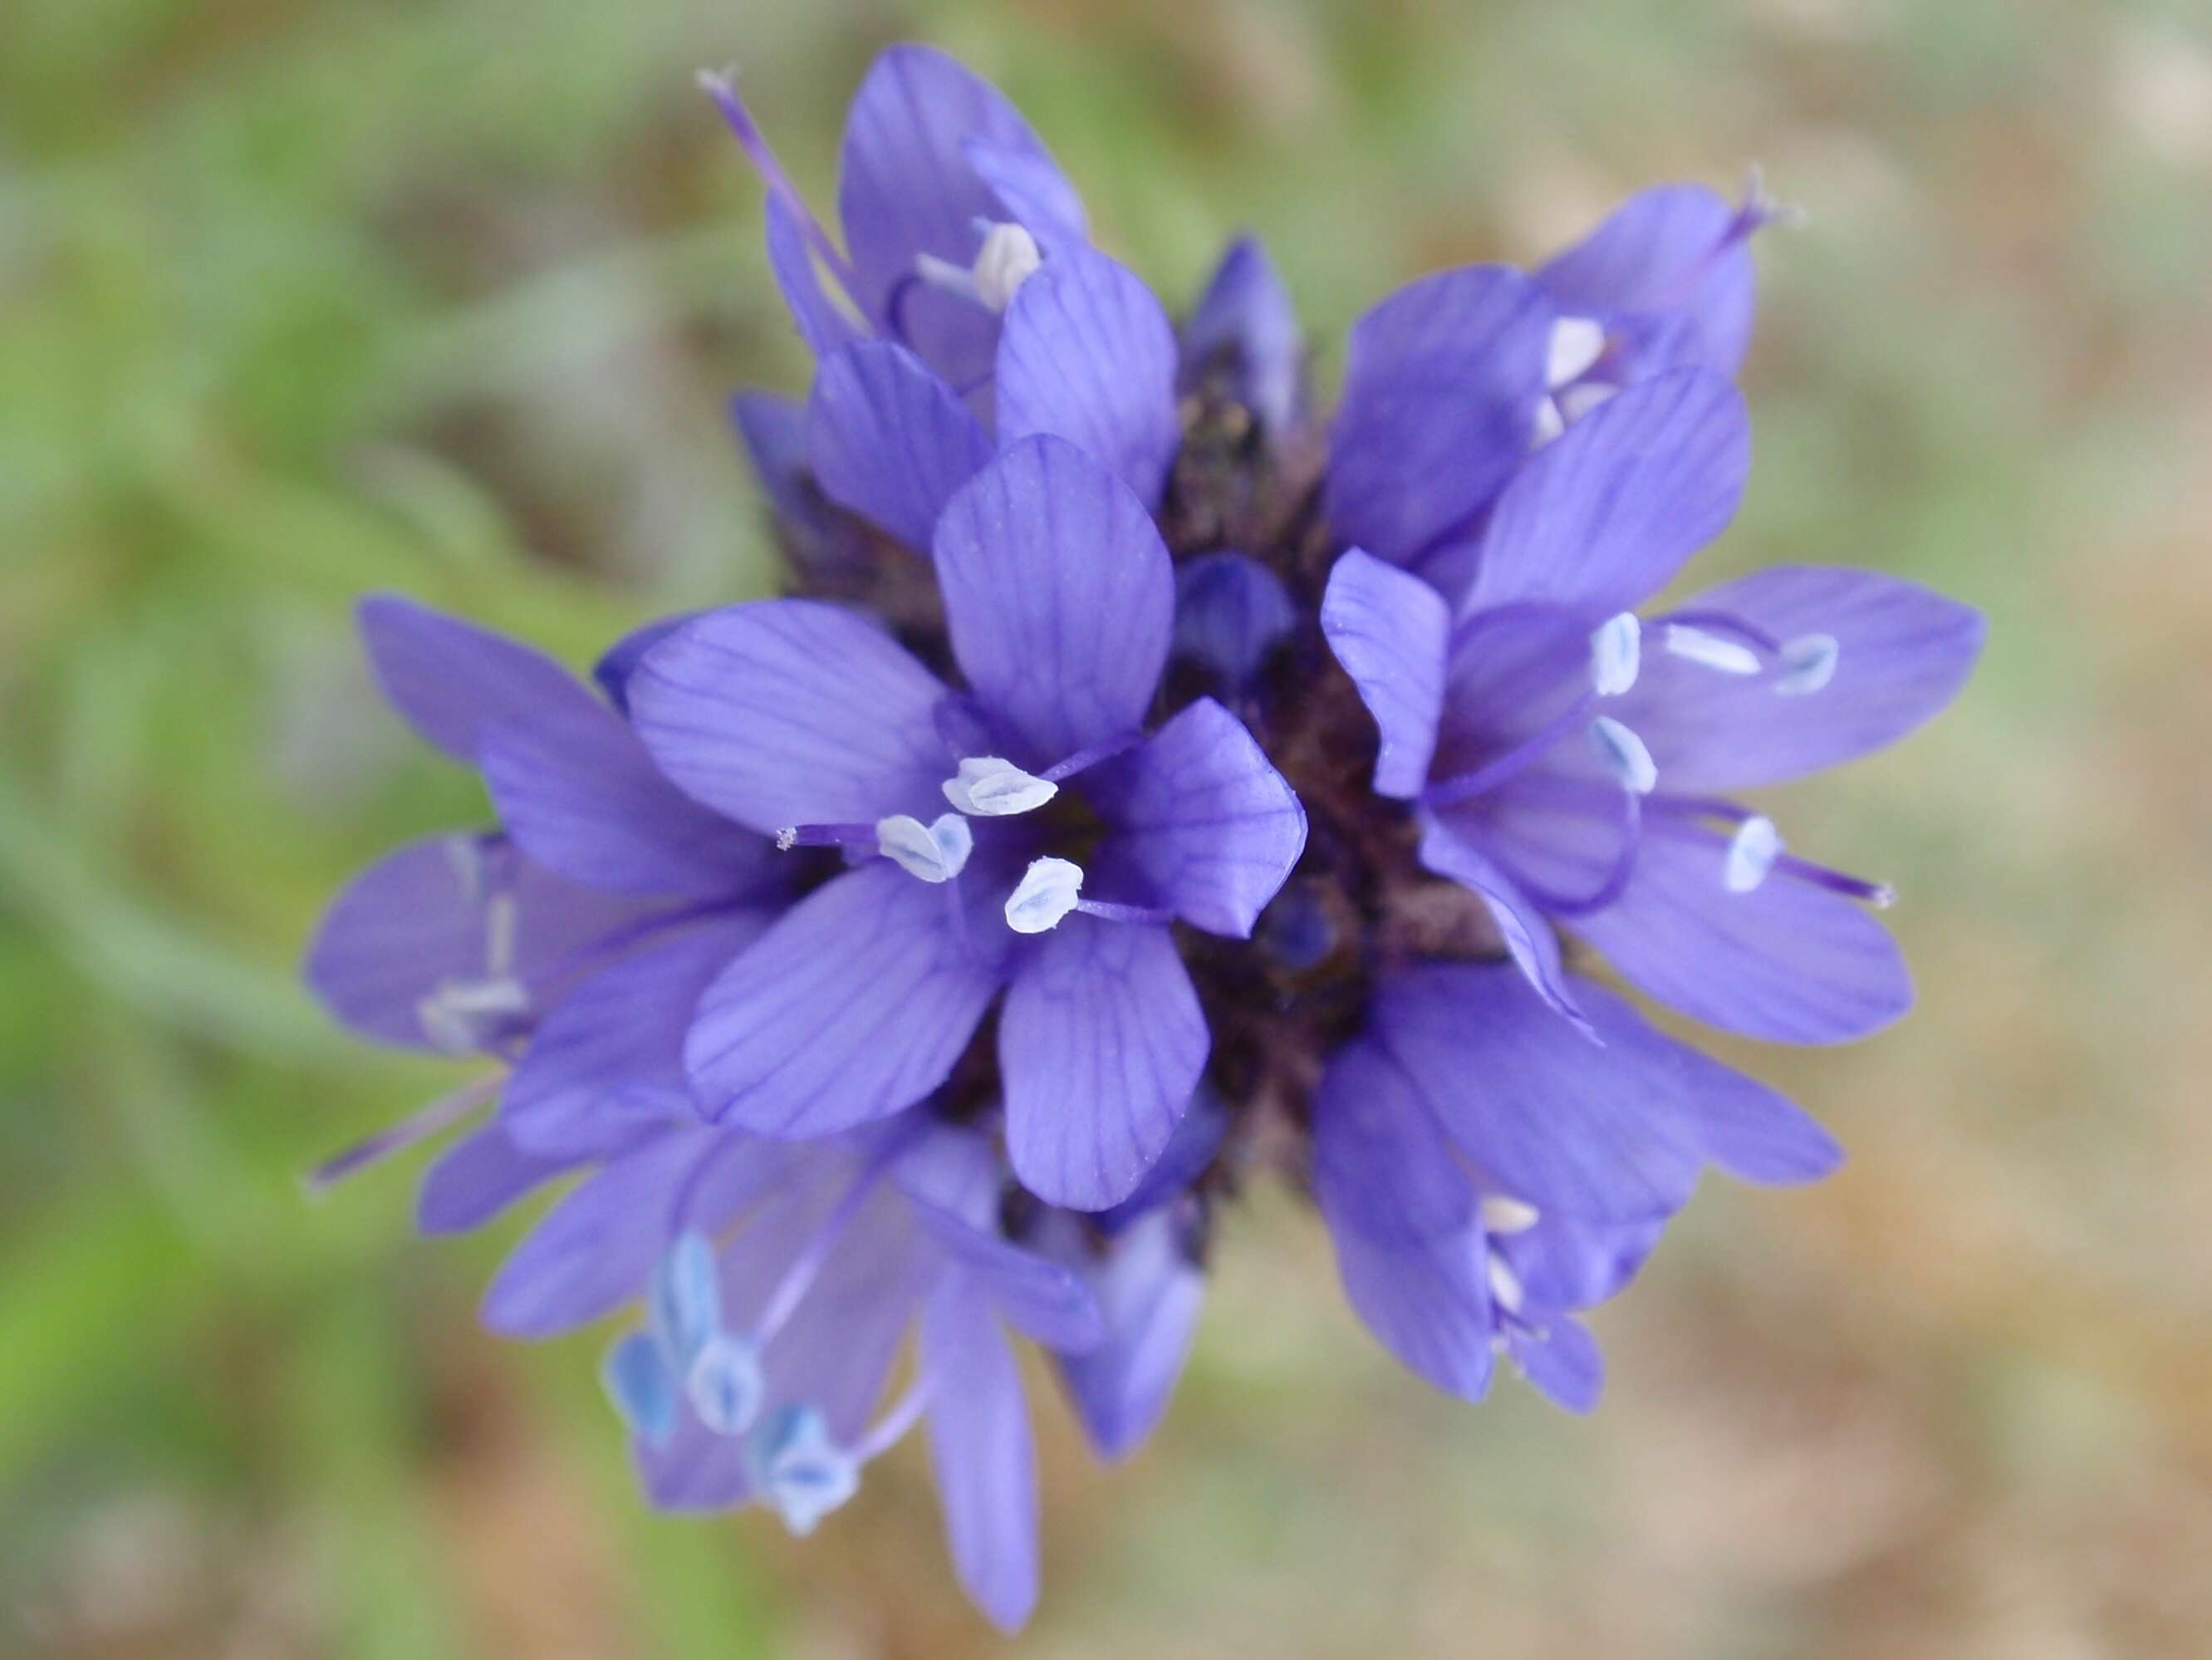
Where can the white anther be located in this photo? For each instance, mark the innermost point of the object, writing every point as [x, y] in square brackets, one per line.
[1008, 259]
[1576, 401]
[1501, 1214]
[1046, 893]
[1505, 1285]
[1752, 852]
[1576, 343]
[725, 1385]
[934, 852]
[449, 1015]
[801, 1472]
[1807, 664]
[501, 923]
[467, 856]
[1616, 653]
[787, 838]
[1882, 898]
[991, 787]
[1710, 650]
[1624, 754]
[1549, 423]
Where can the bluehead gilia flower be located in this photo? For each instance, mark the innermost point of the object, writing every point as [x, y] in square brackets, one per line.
[1151, 783]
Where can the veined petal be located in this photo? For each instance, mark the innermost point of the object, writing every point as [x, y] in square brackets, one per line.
[1060, 597]
[1564, 1364]
[1034, 193]
[1441, 386]
[1390, 631]
[612, 670]
[907, 186]
[980, 1448]
[479, 1177]
[1382, 1166]
[1450, 847]
[791, 712]
[453, 680]
[1601, 519]
[889, 439]
[1672, 248]
[1100, 1044]
[581, 796]
[1044, 1298]
[820, 320]
[853, 1004]
[1150, 1294]
[1088, 356]
[1903, 652]
[1593, 1130]
[608, 1059]
[1203, 818]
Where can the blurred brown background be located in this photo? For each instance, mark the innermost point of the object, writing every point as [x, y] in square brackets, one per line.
[300, 298]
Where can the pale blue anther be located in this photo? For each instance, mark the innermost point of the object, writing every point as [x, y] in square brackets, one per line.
[638, 1382]
[725, 1385]
[801, 1471]
[685, 1306]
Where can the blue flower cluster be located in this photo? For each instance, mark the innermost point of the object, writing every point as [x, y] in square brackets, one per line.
[1148, 786]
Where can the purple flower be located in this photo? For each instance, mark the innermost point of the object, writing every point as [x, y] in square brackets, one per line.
[1570, 762]
[1485, 1171]
[1073, 843]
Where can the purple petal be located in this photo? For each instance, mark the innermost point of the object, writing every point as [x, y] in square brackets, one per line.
[1100, 1044]
[1243, 336]
[1151, 1293]
[1381, 1165]
[1201, 818]
[1425, 1301]
[1572, 1262]
[980, 1445]
[1441, 384]
[453, 680]
[609, 1057]
[1034, 193]
[822, 323]
[1594, 1130]
[595, 1249]
[1390, 631]
[1088, 356]
[889, 439]
[1565, 1362]
[1788, 961]
[422, 917]
[1448, 849]
[616, 664]
[478, 1177]
[907, 186]
[1042, 1297]
[581, 796]
[1674, 248]
[1752, 1131]
[1232, 611]
[1601, 518]
[853, 1005]
[1060, 597]
[790, 712]
[1187, 1153]
[773, 430]
[1903, 653]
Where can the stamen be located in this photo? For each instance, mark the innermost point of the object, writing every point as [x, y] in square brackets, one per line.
[827, 836]
[1082, 760]
[1708, 650]
[416, 1127]
[684, 1306]
[502, 921]
[1048, 890]
[889, 1430]
[1752, 852]
[935, 851]
[726, 1384]
[1490, 773]
[1615, 881]
[1108, 911]
[1549, 423]
[1576, 343]
[1807, 663]
[452, 1015]
[1505, 1285]
[802, 1474]
[1616, 653]
[1880, 895]
[1579, 399]
[1501, 1214]
[1008, 259]
[991, 786]
[639, 1385]
[1624, 755]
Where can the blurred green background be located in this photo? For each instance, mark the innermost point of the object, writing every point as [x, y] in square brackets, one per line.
[300, 298]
